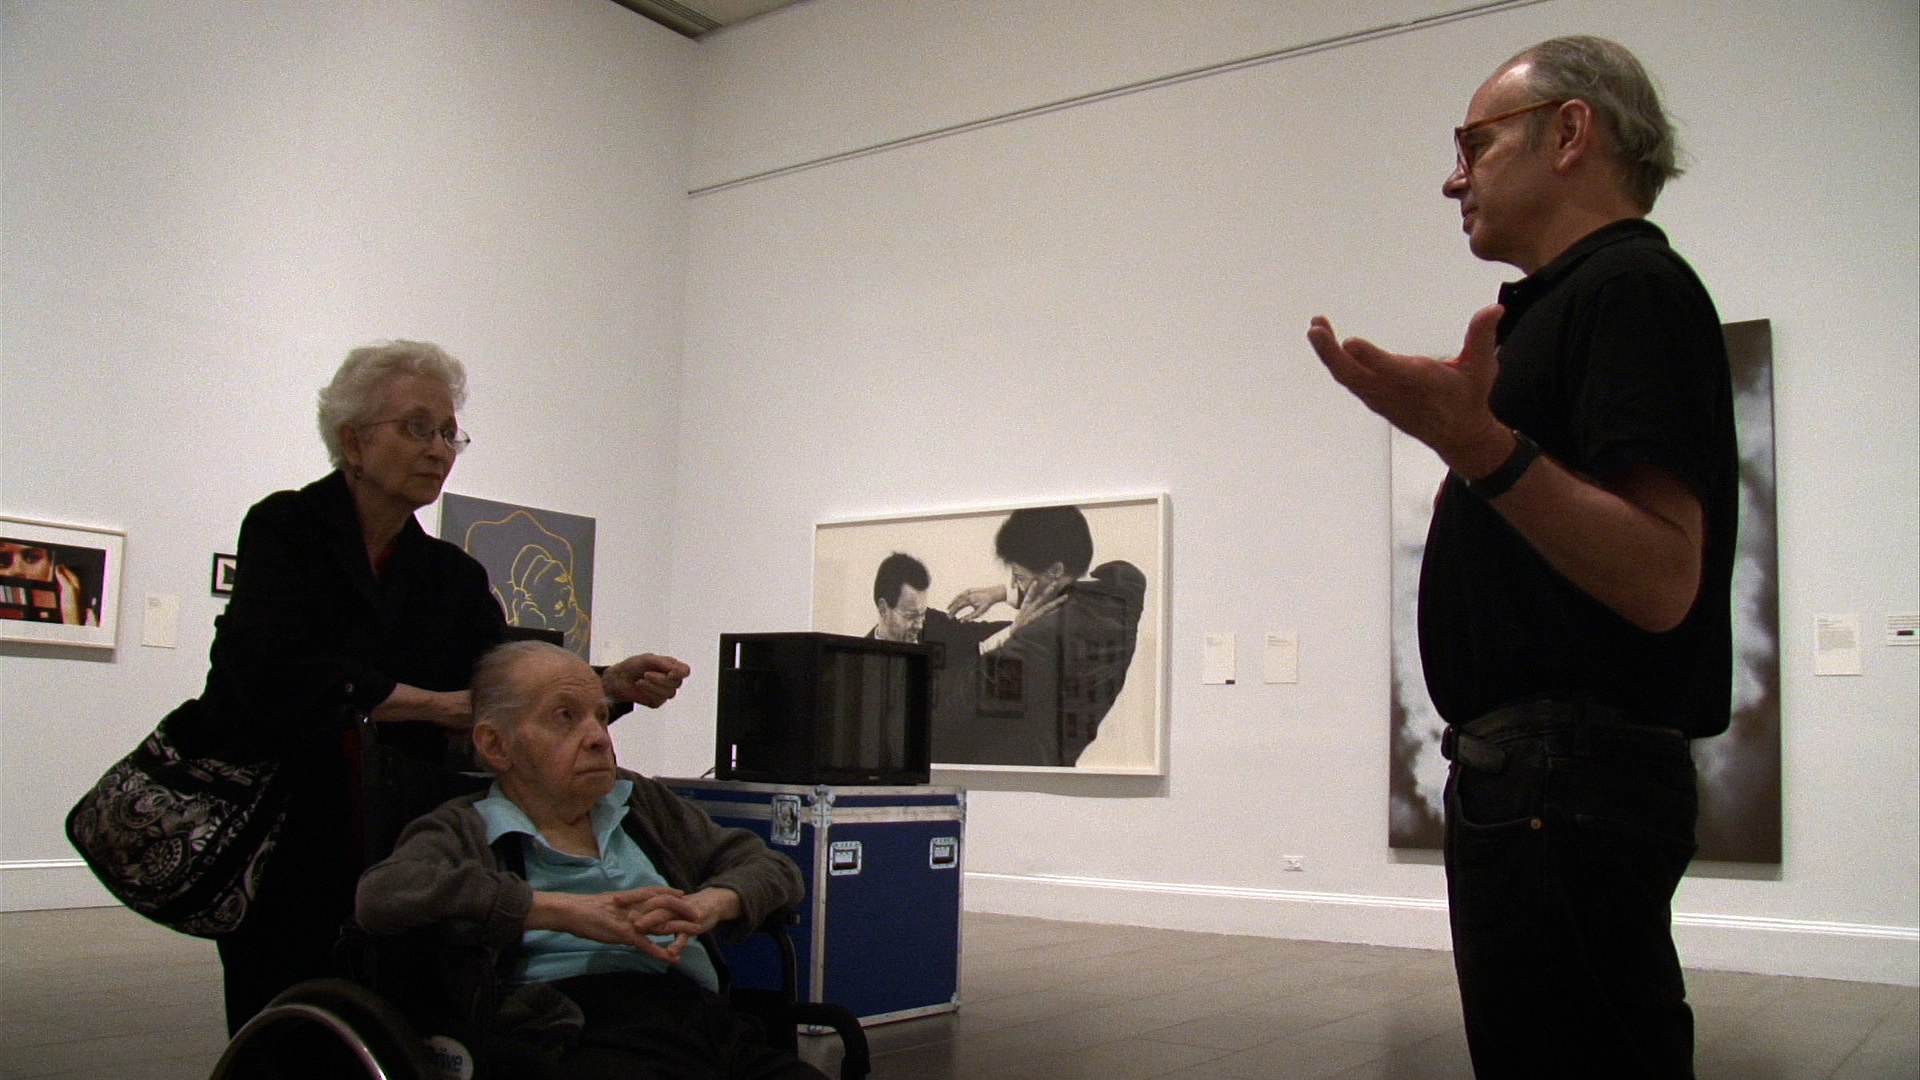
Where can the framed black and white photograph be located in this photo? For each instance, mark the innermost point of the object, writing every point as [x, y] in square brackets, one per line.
[1047, 622]
[59, 584]
[1739, 769]
[224, 567]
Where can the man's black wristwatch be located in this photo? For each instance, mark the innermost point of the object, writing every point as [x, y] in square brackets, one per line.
[1495, 484]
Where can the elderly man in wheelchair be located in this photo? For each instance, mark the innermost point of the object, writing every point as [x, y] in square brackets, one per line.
[595, 891]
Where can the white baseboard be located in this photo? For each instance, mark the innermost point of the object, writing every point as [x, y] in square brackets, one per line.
[1797, 947]
[1802, 948]
[39, 885]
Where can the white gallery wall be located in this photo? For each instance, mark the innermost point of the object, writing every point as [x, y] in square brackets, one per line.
[1109, 297]
[205, 203]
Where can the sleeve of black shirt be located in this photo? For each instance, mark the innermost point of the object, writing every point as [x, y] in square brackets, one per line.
[1650, 379]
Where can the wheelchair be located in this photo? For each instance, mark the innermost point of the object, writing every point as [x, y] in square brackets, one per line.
[419, 1006]
[339, 1029]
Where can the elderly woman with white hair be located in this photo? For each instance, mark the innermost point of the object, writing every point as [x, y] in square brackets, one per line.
[343, 603]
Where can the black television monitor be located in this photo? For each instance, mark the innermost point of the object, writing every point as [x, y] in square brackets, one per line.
[812, 708]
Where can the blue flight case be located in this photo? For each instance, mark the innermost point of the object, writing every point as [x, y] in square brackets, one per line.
[879, 930]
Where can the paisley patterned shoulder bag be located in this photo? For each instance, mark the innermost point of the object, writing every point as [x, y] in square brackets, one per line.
[181, 839]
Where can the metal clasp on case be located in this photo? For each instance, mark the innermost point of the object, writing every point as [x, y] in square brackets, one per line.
[786, 820]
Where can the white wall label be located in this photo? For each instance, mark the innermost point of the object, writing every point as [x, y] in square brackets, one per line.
[1836, 645]
[161, 627]
[1283, 656]
[1217, 661]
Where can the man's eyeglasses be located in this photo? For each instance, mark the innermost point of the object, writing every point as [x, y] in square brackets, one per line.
[1465, 153]
[421, 429]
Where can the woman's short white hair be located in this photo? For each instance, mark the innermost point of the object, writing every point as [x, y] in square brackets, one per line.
[357, 387]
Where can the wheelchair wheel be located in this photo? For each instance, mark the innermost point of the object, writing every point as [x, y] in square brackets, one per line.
[326, 1028]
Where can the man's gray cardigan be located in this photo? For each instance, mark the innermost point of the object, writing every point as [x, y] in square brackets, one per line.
[443, 869]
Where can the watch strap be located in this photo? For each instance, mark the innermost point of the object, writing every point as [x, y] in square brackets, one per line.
[1495, 484]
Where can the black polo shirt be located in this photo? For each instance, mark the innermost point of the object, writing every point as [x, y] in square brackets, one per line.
[1611, 356]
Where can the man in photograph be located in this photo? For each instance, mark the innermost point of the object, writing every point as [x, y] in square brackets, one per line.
[1574, 598]
[901, 614]
[900, 598]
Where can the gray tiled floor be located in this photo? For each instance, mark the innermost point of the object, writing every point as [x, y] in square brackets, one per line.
[100, 993]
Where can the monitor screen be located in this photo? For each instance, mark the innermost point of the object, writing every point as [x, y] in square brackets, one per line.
[809, 708]
[864, 698]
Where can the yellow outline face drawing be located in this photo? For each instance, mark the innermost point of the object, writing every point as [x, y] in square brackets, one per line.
[539, 592]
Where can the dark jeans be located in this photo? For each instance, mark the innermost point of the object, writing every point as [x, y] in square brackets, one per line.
[663, 1027]
[1567, 833]
[306, 896]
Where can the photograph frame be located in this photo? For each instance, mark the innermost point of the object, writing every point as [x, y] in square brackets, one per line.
[956, 546]
[539, 562]
[224, 568]
[97, 559]
[1740, 817]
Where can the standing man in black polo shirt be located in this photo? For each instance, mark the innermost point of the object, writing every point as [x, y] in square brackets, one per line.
[1574, 601]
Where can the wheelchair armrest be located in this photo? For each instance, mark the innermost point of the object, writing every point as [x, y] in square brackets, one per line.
[856, 1060]
[446, 974]
[775, 926]
[358, 947]
[452, 934]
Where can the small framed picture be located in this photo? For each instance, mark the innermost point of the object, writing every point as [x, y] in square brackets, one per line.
[223, 570]
[59, 584]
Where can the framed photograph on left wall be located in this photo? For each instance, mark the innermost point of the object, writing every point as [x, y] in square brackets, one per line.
[224, 567]
[59, 584]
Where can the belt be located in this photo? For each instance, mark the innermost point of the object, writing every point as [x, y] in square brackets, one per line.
[1571, 729]
[1471, 752]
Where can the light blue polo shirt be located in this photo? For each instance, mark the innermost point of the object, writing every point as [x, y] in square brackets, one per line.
[552, 955]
